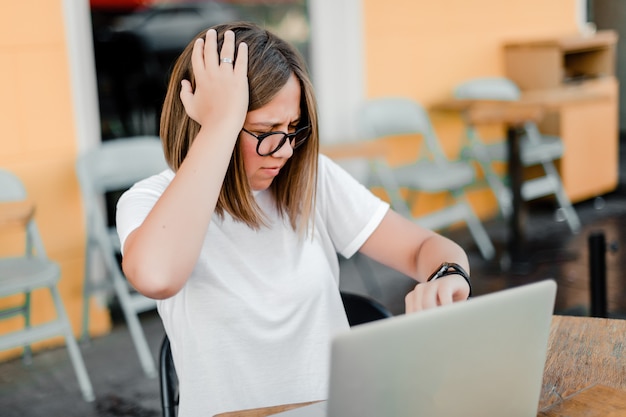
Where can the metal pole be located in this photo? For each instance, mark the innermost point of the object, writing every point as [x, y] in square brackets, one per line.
[597, 274]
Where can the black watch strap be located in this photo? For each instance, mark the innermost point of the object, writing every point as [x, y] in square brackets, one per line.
[451, 268]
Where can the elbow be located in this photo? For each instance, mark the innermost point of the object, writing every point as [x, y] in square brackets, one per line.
[150, 282]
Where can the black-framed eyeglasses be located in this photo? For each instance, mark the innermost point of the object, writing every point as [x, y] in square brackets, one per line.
[270, 142]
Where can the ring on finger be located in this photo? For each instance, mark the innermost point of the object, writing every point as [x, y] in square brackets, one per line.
[226, 60]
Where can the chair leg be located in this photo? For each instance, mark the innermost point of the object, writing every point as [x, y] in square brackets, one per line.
[502, 193]
[168, 380]
[84, 328]
[573, 221]
[72, 346]
[391, 187]
[478, 232]
[27, 353]
[499, 189]
[134, 327]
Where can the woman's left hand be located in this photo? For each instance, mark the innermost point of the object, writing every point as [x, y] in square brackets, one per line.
[442, 291]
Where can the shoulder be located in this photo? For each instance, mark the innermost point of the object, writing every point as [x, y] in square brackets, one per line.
[157, 182]
[329, 173]
[323, 161]
[338, 179]
[146, 190]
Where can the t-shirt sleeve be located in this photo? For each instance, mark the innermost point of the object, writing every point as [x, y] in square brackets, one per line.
[350, 211]
[135, 204]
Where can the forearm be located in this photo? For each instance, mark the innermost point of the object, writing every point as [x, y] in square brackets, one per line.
[160, 254]
[435, 250]
[411, 249]
[418, 252]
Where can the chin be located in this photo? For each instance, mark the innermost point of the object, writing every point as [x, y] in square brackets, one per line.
[261, 186]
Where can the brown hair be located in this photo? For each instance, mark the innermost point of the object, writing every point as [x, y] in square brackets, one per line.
[271, 61]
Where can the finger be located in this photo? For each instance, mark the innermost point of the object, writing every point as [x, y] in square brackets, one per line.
[461, 290]
[185, 87]
[409, 303]
[186, 92]
[197, 58]
[445, 294]
[429, 296]
[210, 48]
[241, 66]
[415, 299]
[228, 47]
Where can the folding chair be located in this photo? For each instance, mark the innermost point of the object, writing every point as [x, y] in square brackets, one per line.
[27, 273]
[433, 172]
[114, 166]
[536, 149]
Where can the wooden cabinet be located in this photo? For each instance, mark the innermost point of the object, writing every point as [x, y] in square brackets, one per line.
[549, 63]
[580, 71]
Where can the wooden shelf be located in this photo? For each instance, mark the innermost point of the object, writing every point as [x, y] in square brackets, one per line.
[549, 63]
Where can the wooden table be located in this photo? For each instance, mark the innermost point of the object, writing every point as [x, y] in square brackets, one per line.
[584, 376]
[583, 352]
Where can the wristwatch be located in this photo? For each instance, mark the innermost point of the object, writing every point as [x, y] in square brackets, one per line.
[450, 268]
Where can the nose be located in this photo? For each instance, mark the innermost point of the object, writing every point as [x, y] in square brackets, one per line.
[285, 151]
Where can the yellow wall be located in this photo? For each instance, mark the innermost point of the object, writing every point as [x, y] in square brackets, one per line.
[423, 48]
[38, 143]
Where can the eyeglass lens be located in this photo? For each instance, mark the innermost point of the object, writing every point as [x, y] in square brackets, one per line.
[270, 143]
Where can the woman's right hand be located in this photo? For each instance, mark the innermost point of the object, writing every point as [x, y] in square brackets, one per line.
[221, 90]
[160, 254]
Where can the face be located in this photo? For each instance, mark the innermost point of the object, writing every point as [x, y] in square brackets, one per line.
[280, 114]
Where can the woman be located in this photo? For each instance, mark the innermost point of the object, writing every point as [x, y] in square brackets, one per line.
[239, 239]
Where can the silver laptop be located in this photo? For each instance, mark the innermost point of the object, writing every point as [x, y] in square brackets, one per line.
[484, 357]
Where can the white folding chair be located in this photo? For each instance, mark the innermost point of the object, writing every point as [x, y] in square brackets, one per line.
[535, 149]
[29, 272]
[114, 166]
[433, 172]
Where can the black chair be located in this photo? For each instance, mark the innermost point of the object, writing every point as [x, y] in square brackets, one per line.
[168, 380]
[359, 309]
[362, 309]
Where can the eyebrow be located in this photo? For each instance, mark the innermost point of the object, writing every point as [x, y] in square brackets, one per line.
[272, 126]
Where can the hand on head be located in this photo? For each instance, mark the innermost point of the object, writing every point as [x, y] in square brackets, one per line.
[435, 293]
[221, 90]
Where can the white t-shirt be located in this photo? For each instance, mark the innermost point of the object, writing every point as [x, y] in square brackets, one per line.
[253, 324]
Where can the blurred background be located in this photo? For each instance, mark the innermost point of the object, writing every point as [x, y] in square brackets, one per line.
[78, 73]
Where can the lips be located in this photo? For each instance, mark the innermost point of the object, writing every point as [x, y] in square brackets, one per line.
[272, 170]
